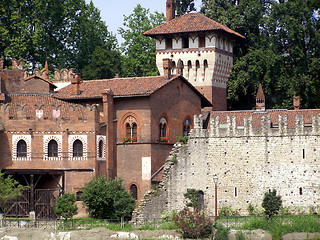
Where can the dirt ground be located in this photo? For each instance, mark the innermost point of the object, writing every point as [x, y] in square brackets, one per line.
[104, 233]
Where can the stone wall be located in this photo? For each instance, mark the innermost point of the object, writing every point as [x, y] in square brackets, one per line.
[248, 162]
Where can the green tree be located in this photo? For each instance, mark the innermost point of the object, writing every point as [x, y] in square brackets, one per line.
[138, 50]
[271, 203]
[280, 50]
[184, 6]
[66, 33]
[103, 64]
[108, 199]
[10, 189]
[65, 206]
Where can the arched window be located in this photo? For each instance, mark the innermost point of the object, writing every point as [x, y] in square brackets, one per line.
[134, 191]
[52, 148]
[186, 127]
[77, 148]
[100, 149]
[197, 68]
[163, 128]
[201, 200]
[21, 148]
[131, 128]
[174, 67]
[205, 67]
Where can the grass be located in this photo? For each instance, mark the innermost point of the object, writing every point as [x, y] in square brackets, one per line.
[281, 225]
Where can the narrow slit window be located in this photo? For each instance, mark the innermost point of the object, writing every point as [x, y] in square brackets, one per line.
[235, 192]
[300, 191]
[303, 153]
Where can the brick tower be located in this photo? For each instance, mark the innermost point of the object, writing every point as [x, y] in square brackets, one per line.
[203, 49]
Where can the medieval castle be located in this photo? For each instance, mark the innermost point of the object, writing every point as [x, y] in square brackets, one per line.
[57, 141]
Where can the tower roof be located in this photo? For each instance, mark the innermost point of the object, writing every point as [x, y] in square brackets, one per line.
[260, 94]
[192, 22]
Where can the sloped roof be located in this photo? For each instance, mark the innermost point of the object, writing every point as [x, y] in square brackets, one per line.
[41, 78]
[192, 22]
[272, 113]
[31, 102]
[260, 94]
[123, 87]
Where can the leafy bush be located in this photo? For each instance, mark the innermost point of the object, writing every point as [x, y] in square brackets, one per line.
[10, 189]
[65, 206]
[182, 139]
[221, 232]
[193, 224]
[108, 199]
[228, 211]
[240, 235]
[271, 203]
[193, 196]
[254, 210]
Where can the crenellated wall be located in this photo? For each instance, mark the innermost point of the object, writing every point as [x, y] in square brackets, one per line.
[250, 156]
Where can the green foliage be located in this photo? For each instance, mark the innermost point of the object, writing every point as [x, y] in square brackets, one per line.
[228, 211]
[193, 195]
[10, 189]
[108, 199]
[221, 232]
[279, 226]
[281, 50]
[183, 139]
[254, 210]
[139, 50]
[240, 235]
[193, 224]
[271, 203]
[66, 33]
[65, 205]
[184, 6]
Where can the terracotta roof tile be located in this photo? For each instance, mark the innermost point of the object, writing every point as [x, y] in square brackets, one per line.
[260, 94]
[31, 102]
[124, 87]
[273, 114]
[192, 22]
[120, 87]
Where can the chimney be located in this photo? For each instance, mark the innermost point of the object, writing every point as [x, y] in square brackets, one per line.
[76, 84]
[167, 68]
[17, 64]
[170, 10]
[260, 100]
[46, 70]
[296, 102]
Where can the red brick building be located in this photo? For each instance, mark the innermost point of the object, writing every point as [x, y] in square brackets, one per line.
[121, 127]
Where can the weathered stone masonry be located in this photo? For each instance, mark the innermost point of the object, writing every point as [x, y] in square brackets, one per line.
[248, 161]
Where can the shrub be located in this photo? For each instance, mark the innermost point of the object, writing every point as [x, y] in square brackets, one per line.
[193, 224]
[108, 199]
[193, 196]
[182, 139]
[228, 211]
[221, 232]
[10, 189]
[271, 203]
[240, 235]
[65, 206]
[254, 210]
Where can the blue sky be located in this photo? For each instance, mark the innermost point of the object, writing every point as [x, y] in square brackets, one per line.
[112, 11]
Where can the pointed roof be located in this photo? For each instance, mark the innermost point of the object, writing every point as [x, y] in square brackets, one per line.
[40, 78]
[192, 22]
[260, 94]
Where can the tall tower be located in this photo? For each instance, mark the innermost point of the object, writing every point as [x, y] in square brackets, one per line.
[203, 49]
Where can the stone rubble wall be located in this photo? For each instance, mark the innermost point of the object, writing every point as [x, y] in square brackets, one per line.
[248, 162]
